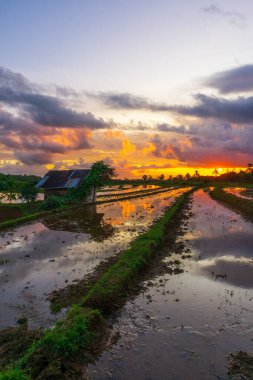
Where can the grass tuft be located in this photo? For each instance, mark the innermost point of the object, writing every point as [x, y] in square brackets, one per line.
[14, 374]
[113, 285]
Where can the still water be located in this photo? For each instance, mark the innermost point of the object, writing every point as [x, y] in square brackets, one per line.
[49, 254]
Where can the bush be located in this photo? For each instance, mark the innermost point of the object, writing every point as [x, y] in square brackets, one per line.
[52, 202]
[28, 193]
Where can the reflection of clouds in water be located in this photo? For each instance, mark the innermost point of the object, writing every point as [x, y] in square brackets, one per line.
[235, 271]
[222, 241]
[240, 192]
[69, 244]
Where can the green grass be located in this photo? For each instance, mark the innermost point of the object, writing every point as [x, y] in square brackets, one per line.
[243, 206]
[77, 330]
[113, 286]
[14, 374]
[83, 323]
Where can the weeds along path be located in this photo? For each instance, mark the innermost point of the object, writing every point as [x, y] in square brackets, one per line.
[234, 200]
[54, 354]
[185, 323]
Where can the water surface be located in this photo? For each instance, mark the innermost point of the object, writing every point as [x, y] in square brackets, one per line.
[49, 254]
[184, 326]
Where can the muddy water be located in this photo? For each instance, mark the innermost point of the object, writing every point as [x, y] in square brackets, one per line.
[183, 326]
[46, 255]
[240, 192]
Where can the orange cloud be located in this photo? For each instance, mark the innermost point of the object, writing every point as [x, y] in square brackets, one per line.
[127, 147]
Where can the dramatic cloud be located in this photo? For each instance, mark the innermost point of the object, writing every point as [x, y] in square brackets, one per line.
[171, 128]
[238, 110]
[37, 126]
[233, 17]
[129, 102]
[208, 144]
[236, 80]
[17, 91]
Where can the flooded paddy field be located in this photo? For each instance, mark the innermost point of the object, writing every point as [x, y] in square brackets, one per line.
[134, 191]
[125, 189]
[45, 255]
[184, 326]
[240, 192]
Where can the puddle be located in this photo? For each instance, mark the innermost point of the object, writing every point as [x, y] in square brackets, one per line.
[184, 326]
[49, 254]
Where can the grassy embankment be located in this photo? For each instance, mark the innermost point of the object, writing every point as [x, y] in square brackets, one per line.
[243, 206]
[48, 357]
[37, 214]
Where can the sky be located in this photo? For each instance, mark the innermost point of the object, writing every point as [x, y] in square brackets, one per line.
[149, 86]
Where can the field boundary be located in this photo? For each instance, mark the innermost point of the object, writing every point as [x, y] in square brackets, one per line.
[242, 205]
[48, 357]
[26, 218]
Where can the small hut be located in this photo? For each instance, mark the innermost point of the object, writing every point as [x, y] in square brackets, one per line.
[58, 182]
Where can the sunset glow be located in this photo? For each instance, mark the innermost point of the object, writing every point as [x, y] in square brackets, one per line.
[129, 85]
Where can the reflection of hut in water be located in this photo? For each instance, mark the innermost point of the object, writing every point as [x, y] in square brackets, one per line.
[81, 220]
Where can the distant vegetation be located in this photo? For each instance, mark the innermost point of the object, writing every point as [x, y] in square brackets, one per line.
[13, 187]
[243, 177]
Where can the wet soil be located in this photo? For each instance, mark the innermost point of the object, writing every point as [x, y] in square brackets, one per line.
[62, 248]
[186, 325]
[8, 213]
[74, 293]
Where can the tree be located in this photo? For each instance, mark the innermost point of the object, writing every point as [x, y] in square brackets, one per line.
[249, 167]
[196, 174]
[161, 177]
[145, 177]
[215, 172]
[187, 176]
[98, 174]
[28, 193]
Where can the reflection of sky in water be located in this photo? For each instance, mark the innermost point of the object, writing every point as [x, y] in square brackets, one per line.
[125, 190]
[222, 241]
[240, 192]
[49, 254]
[184, 326]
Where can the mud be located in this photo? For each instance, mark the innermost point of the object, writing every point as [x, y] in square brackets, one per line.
[186, 325]
[61, 249]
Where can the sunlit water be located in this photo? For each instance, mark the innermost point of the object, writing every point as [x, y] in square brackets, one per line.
[240, 192]
[184, 326]
[49, 254]
[125, 189]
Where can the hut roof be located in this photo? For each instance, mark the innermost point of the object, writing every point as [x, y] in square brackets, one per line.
[62, 179]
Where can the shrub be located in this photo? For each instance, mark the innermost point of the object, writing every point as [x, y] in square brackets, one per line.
[52, 202]
[28, 193]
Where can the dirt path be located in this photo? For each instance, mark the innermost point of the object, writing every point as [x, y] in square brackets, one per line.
[184, 326]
